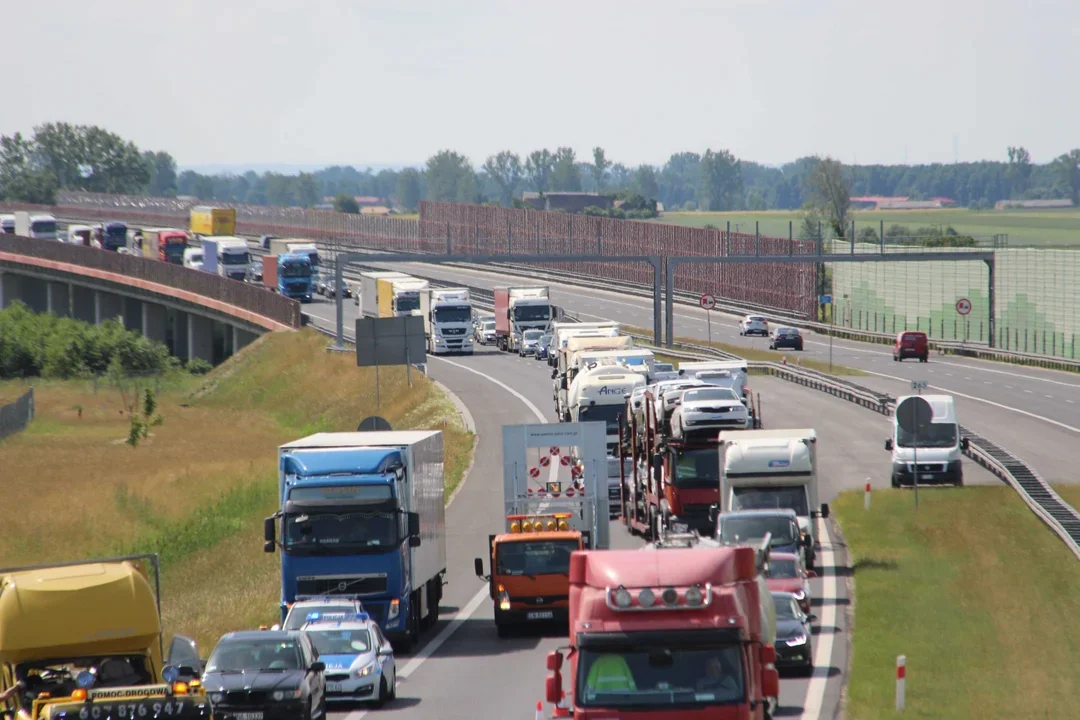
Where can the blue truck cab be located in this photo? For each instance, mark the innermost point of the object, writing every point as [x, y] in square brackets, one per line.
[114, 236]
[362, 515]
[294, 276]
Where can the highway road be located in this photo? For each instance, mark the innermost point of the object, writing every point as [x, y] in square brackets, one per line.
[465, 670]
[1030, 411]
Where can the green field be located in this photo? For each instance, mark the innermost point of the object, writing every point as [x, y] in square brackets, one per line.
[975, 591]
[1045, 228]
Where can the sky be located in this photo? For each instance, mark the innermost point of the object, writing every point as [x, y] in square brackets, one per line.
[320, 82]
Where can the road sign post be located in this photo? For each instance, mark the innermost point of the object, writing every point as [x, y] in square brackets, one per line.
[910, 415]
[963, 307]
[827, 300]
[708, 302]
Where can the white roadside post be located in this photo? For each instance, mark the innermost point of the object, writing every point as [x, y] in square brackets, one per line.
[866, 498]
[901, 672]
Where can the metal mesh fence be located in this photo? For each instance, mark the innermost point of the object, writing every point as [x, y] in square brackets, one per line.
[15, 416]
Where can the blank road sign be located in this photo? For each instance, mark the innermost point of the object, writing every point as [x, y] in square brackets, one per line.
[390, 341]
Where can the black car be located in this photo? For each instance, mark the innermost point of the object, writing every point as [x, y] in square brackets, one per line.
[265, 675]
[786, 337]
[794, 646]
[542, 347]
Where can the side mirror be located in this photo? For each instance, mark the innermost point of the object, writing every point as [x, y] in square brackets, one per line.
[965, 444]
[270, 531]
[383, 652]
[811, 574]
[184, 653]
[554, 661]
[554, 374]
[414, 525]
[768, 655]
[414, 541]
[811, 617]
[888, 445]
[825, 510]
[318, 666]
[770, 683]
[478, 568]
[553, 688]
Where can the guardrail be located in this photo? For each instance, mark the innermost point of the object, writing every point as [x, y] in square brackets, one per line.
[240, 295]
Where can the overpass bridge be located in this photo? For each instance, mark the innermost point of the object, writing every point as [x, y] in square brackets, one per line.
[195, 314]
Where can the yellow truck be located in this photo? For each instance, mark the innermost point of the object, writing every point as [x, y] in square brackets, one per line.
[83, 641]
[213, 221]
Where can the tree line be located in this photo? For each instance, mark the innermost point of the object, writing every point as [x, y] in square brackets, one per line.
[61, 156]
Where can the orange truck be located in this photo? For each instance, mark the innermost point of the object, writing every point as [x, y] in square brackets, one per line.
[553, 475]
[165, 244]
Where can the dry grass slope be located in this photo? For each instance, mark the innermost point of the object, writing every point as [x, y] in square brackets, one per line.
[198, 488]
[975, 591]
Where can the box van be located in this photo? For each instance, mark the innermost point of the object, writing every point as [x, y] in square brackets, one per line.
[193, 258]
[936, 446]
[911, 344]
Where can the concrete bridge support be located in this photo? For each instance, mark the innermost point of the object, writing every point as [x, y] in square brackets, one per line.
[84, 304]
[241, 339]
[154, 321]
[10, 289]
[133, 314]
[107, 307]
[35, 294]
[59, 298]
[200, 338]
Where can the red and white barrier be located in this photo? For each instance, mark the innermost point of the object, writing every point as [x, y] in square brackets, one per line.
[901, 673]
[866, 498]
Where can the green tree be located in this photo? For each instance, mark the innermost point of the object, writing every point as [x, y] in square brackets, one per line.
[565, 176]
[830, 193]
[307, 190]
[646, 182]
[408, 189]
[1067, 167]
[506, 172]
[450, 178]
[721, 181]
[162, 173]
[755, 201]
[345, 203]
[21, 176]
[599, 167]
[539, 167]
[86, 157]
[1019, 170]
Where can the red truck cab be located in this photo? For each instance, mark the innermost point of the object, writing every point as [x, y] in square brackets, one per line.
[671, 634]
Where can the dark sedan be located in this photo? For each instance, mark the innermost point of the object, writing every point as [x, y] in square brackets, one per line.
[786, 337]
[542, 347]
[266, 675]
[794, 647]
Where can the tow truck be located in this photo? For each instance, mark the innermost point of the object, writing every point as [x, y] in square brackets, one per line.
[547, 519]
[675, 635]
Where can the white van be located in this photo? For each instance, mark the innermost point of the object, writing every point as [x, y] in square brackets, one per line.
[936, 445]
[193, 258]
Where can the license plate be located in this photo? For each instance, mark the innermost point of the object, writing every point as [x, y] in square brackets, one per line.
[541, 615]
[333, 687]
[247, 716]
[926, 477]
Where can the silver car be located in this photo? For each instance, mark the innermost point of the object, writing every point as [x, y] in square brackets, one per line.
[530, 339]
[754, 325]
[360, 665]
[485, 334]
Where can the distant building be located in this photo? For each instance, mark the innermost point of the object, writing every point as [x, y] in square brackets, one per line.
[367, 200]
[883, 202]
[570, 202]
[1032, 204]
[375, 210]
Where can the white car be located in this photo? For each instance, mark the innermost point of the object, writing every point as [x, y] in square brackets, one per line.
[708, 409]
[754, 325]
[299, 610]
[666, 394]
[360, 665]
[485, 334]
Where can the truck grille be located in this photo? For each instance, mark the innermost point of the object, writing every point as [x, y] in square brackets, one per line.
[341, 585]
[453, 331]
[930, 467]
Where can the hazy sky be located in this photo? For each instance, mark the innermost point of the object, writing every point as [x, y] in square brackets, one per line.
[355, 81]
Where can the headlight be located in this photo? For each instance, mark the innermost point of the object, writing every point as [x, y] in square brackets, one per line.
[216, 697]
[280, 695]
[504, 600]
[395, 608]
[797, 640]
[799, 595]
[367, 669]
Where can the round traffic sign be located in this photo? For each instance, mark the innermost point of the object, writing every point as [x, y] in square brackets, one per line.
[554, 450]
[708, 302]
[963, 306]
[914, 414]
[565, 460]
[545, 460]
[534, 472]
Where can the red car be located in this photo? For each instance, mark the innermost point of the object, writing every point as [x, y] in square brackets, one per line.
[787, 574]
[911, 344]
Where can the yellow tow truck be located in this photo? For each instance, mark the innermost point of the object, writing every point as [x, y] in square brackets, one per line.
[84, 641]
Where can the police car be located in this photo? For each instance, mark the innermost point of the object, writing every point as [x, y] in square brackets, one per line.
[359, 661]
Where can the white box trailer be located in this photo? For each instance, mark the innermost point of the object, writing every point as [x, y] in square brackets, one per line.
[772, 470]
[367, 291]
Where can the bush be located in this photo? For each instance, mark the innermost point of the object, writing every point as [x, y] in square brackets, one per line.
[198, 366]
[33, 345]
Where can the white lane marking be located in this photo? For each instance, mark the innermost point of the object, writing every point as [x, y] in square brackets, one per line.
[1029, 392]
[1049, 396]
[1006, 372]
[984, 400]
[823, 649]
[479, 598]
[1009, 387]
[1069, 401]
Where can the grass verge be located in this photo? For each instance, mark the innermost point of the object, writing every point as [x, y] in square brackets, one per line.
[978, 595]
[197, 489]
[793, 357]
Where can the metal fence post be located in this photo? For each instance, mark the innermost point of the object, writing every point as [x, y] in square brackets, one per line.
[449, 248]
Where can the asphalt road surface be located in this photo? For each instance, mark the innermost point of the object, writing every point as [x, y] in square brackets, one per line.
[464, 660]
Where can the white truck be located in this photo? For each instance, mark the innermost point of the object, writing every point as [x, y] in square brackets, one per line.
[447, 320]
[39, 227]
[370, 280]
[773, 470]
[518, 309]
[561, 332]
[227, 256]
[598, 394]
[384, 293]
[637, 360]
[570, 363]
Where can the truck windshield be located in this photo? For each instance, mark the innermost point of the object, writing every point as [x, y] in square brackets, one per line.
[529, 313]
[408, 303]
[607, 414]
[43, 226]
[174, 252]
[750, 528]
[771, 498]
[783, 569]
[534, 557]
[932, 435]
[341, 530]
[698, 469]
[453, 314]
[660, 676]
[57, 676]
[295, 270]
[232, 257]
